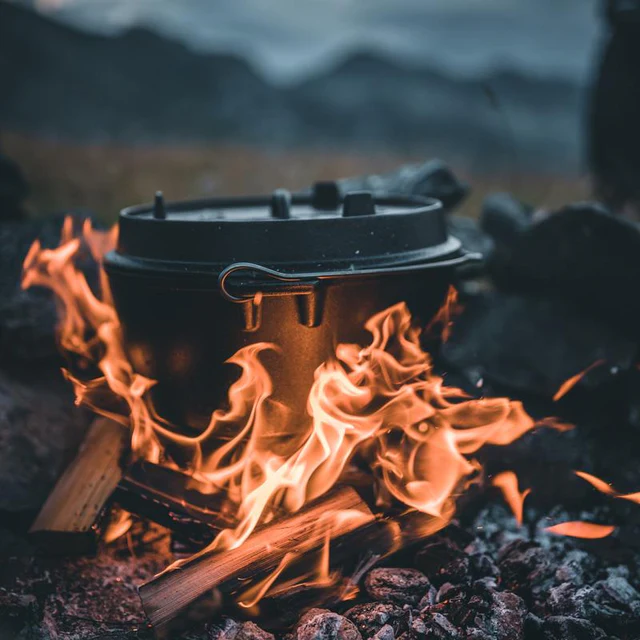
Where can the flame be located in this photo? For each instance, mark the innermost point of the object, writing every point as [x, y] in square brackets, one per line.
[381, 403]
[567, 385]
[607, 489]
[445, 315]
[579, 529]
[118, 526]
[507, 482]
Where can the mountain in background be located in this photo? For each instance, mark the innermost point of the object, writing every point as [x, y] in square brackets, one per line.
[139, 87]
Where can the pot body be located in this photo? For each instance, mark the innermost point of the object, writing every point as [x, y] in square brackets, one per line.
[181, 330]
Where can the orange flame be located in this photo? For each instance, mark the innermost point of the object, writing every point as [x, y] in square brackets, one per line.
[607, 489]
[567, 385]
[579, 529]
[507, 482]
[382, 403]
[445, 315]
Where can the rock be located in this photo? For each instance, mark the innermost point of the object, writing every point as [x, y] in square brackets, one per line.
[321, 624]
[370, 617]
[472, 237]
[566, 628]
[580, 254]
[502, 217]
[40, 430]
[402, 586]
[432, 179]
[533, 344]
[13, 190]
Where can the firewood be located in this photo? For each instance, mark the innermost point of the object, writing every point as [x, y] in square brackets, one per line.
[71, 518]
[174, 500]
[170, 593]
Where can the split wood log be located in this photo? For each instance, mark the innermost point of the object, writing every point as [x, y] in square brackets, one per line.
[71, 517]
[171, 592]
[174, 500]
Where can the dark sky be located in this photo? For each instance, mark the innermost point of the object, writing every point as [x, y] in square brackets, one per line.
[290, 38]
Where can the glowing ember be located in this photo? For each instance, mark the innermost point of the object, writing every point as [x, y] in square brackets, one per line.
[381, 404]
[566, 386]
[579, 529]
[507, 482]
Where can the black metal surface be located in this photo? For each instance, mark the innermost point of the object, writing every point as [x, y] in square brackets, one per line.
[285, 233]
[183, 319]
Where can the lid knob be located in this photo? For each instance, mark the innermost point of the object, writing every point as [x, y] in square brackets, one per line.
[281, 204]
[159, 212]
[325, 196]
[358, 203]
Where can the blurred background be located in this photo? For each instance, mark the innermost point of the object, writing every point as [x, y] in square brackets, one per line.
[102, 102]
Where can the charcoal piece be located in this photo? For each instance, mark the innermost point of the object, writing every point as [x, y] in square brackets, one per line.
[503, 619]
[433, 179]
[434, 626]
[576, 564]
[567, 628]
[321, 624]
[533, 344]
[17, 612]
[385, 632]
[472, 237]
[232, 630]
[402, 586]
[370, 617]
[612, 604]
[524, 566]
[442, 561]
[502, 217]
[483, 566]
[580, 254]
[40, 430]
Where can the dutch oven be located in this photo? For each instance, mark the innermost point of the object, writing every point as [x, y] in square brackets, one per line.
[195, 281]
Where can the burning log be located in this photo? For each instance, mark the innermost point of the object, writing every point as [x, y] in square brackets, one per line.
[306, 531]
[71, 517]
[300, 534]
[173, 500]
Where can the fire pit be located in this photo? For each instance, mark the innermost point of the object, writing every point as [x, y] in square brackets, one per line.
[323, 470]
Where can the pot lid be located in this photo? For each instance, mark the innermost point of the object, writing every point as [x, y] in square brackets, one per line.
[322, 230]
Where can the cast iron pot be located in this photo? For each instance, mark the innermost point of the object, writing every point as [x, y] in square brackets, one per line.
[193, 282]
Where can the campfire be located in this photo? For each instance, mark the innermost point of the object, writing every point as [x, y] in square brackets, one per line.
[332, 446]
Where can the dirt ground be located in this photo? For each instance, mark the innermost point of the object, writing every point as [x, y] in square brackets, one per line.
[105, 178]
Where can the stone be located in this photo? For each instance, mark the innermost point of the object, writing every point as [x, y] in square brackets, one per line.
[582, 255]
[502, 217]
[431, 179]
[402, 586]
[231, 630]
[533, 344]
[40, 431]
